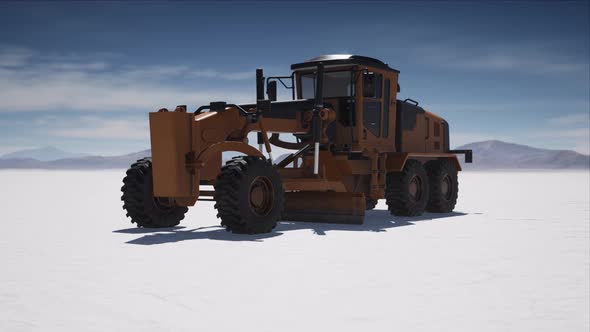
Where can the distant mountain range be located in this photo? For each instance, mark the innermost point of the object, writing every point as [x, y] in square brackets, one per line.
[47, 153]
[486, 155]
[82, 162]
[501, 155]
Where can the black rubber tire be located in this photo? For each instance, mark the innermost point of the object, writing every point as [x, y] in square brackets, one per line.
[138, 199]
[233, 190]
[444, 186]
[400, 200]
[370, 204]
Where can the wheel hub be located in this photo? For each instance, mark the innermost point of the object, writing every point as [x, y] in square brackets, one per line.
[261, 196]
[415, 188]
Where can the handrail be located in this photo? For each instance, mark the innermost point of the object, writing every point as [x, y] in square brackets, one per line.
[219, 106]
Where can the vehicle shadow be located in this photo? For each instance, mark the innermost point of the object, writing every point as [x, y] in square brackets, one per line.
[375, 221]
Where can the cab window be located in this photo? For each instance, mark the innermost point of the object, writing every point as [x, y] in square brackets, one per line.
[372, 85]
[336, 84]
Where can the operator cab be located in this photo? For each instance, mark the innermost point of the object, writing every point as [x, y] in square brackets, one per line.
[361, 90]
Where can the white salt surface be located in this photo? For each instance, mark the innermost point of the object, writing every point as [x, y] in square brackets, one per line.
[514, 257]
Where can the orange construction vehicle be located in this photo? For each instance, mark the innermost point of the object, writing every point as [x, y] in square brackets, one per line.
[353, 143]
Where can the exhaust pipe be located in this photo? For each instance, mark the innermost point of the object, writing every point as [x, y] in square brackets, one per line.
[259, 84]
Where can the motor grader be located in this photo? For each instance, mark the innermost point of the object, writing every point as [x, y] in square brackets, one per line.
[352, 141]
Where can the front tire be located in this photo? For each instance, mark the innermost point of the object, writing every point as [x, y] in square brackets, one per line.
[444, 186]
[142, 207]
[249, 195]
[407, 192]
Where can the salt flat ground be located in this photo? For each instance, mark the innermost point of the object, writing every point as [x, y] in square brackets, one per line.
[514, 257]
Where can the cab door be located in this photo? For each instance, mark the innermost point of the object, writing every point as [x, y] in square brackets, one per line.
[372, 106]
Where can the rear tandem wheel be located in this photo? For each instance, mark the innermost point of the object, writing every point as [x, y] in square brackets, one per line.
[444, 186]
[407, 192]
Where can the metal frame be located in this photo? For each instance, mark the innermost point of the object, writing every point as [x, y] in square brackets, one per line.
[280, 79]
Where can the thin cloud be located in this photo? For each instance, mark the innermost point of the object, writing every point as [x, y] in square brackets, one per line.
[511, 106]
[583, 133]
[504, 62]
[578, 138]
[91, 66]
[572, 129]
[100, 128]
[571, 119]
[528, 58]
[29, 85]
[226, 76]
[14, 56]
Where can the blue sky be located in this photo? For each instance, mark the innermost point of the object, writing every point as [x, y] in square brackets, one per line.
[83, 76]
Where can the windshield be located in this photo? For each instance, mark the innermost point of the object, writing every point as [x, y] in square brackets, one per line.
[336, 84]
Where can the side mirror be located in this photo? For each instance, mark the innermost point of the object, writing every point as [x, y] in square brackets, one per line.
[271, 90]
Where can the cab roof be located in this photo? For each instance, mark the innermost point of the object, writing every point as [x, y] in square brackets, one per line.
[343, 59]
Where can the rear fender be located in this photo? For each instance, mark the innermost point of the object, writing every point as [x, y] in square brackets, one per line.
[397, 161]
[455, 161]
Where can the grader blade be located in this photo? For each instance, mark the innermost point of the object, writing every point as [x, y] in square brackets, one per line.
[325, 207]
